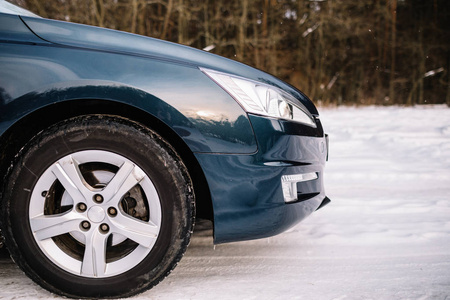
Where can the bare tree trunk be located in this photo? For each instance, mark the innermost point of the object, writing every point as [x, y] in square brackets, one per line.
[265, 32]
[448, 79]
[240, 49]
[99, 9]
[256, 45]
[206, 23]
[273, 30]
[412, 92]
[421, 67]
[167, 18]
[386, 38]
[448, 92]
[393, 52]
[134, 12]
[379, 67]
[182, 23]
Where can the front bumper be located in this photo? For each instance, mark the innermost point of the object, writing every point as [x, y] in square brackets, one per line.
[247, 190]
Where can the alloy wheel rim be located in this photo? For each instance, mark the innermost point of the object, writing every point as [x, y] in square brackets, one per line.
[95, 214]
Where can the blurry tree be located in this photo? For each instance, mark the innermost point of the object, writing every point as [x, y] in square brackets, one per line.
[336, 51]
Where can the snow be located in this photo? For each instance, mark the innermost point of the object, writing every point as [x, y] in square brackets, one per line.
[385, 235]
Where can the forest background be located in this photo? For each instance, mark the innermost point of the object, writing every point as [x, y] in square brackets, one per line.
[353, 52]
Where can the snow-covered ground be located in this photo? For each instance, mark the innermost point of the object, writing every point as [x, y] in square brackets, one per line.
[385, 235]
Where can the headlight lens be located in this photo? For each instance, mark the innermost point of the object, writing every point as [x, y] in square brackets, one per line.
[261, 99]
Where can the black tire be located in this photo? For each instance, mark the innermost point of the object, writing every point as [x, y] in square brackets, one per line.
[99, 135]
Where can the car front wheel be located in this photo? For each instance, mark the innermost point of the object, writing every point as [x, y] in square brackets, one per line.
[97, 206]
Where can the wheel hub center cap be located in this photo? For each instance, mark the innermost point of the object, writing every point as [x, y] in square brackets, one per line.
[96, 214]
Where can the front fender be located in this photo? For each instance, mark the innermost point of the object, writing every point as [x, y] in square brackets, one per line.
[186, 100]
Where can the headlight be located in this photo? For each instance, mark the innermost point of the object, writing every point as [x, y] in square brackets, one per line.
[261, 99]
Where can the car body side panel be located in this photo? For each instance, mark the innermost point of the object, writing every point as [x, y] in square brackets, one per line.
[204, 115]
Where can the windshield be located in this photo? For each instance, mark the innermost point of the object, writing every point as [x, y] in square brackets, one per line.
[8, 8]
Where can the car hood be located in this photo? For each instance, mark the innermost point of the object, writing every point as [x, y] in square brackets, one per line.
[90, 37]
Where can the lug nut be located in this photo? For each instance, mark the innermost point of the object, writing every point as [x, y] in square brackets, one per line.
[85, 225]
[112, 211]
[104, 228]
[81, 207]
[44, 194]
[98, 198]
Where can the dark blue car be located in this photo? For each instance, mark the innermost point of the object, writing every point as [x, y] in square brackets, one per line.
[111, 144]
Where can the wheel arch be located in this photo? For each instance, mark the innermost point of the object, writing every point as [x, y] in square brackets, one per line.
[17, 135]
